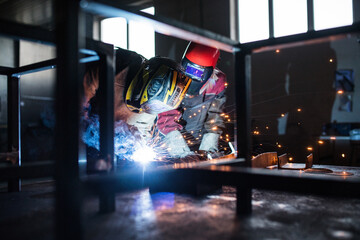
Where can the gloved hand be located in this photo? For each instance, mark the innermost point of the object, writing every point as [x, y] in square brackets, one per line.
[209, 142]
[176, 145]
[169, 121]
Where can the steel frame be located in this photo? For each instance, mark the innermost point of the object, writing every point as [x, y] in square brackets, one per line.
[69, 38]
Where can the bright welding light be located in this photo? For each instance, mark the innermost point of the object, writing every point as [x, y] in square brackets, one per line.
[144, 155]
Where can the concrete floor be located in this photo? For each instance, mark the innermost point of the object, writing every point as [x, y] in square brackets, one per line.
[141, 215]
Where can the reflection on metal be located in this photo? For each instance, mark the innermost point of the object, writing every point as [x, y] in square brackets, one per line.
[224, 160]
[265, 160]
[283, 159]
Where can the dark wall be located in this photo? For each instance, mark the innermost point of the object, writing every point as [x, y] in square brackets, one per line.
[211, 15]
[295, 78]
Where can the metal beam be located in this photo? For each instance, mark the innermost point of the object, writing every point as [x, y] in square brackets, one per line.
[271, 18]
[161, 25]
[26, 32]
[68, 85]
[31, 68]
[265, 45]
[310, 14]
[29, 171]
[14, 125]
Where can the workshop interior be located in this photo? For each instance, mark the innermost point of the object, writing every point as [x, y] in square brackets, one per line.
[155, 119]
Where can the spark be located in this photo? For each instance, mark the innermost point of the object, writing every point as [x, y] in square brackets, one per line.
[144, 155]
[309, 148]
[321, 142]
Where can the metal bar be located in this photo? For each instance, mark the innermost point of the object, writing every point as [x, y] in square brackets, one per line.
[106, 94]
[13, 91]
[26, 32]
[296, 182]
[242, 127]
[310, 14]
[242, 98]
[161, 25]
[107, 202]
[234, 20]
[271, 18]
[106, 117]
[31, 68]
[243, 201]
[263, 44]
[356, 11]
[33, 170]
[5, 70]
[68, 85]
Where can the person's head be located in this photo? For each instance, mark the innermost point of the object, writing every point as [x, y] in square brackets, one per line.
[199, 62]
[159, 86]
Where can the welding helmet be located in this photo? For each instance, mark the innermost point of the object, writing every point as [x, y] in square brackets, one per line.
[199, 62]
[160, 85]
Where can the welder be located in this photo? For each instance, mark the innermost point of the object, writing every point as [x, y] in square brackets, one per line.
[195, 127]
[143, 89]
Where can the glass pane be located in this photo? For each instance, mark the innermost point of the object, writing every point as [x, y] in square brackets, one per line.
[332, 13]
[290, 17]
[253, 20]
[114, 31]
[304, 105]
[142, 37]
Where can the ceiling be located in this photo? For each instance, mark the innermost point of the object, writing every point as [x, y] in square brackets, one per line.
[39, 12]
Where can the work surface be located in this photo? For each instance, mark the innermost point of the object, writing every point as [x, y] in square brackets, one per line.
[163, 215]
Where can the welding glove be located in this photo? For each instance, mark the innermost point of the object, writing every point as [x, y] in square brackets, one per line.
[209, 143]
[176, 145]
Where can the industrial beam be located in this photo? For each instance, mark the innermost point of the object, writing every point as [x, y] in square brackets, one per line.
[27, 32]
[169, 27]
[68, 85]
[265, 45]
[13, 126]
[29, 171]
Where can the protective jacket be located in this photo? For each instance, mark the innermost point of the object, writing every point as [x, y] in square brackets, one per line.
[198, 119]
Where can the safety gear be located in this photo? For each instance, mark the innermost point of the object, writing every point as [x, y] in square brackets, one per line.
[199, 61]
[176, 145]
[159, 86]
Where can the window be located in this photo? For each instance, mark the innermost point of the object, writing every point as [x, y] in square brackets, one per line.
[253, 20]
[332, 13]
[113, 31]
[132, 35]
[290, 17]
